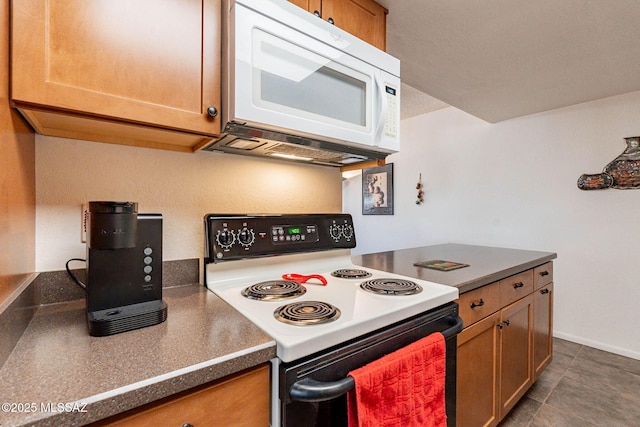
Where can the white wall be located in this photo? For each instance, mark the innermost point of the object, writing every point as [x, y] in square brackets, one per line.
[513, 184]
[183, 187]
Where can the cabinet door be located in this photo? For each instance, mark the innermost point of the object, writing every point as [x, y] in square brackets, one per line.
[365, 19]
[543, 328]
[143, 62]
[477, 374]
[515, 354]
[309, 5]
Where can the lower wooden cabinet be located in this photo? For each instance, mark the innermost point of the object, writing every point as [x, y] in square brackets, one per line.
[542, 328]
[516, 377]
[503, 347]
[478, 356]
[239, 401]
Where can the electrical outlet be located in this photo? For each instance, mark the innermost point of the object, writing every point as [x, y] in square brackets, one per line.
[84, 219]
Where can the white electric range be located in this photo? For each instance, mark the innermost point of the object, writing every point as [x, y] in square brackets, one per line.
[254, 263]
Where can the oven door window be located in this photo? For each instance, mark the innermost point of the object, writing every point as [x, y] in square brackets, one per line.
[298, 82]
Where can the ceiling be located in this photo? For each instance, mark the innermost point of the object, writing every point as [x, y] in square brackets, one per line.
[500, 59]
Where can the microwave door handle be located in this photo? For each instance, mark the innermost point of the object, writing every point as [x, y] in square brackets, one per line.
[310, 390]
[383, 107]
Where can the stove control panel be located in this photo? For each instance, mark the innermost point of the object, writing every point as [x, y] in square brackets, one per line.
[244, 236]
[286, 234]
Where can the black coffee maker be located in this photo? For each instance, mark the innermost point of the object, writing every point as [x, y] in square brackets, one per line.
[124, 268]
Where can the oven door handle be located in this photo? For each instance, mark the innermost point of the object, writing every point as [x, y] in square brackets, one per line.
[310, 390]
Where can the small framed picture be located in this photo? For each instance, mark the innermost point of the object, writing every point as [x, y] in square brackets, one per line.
[377, 190]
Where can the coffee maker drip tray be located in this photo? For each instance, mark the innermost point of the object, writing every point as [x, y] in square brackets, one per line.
[115, 320]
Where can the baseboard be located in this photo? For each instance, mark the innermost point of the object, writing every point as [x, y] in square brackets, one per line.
[596, 344]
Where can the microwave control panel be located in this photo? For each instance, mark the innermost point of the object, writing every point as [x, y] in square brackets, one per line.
[393, 112]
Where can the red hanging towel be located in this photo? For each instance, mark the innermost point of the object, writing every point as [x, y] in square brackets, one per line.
[402, 389]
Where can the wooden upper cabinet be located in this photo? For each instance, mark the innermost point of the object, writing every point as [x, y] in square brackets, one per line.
[138, 63]
[365, 19]
[310, 5]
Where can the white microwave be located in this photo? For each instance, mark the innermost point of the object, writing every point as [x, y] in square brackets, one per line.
[296, 87]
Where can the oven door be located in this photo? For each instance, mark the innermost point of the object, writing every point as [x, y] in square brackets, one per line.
[312, 391]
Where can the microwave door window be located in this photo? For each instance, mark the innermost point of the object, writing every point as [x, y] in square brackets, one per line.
[301, 83]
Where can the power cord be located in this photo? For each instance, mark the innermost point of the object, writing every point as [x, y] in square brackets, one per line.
[75, 279]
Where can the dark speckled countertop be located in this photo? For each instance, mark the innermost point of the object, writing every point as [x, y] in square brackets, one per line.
[486, 264]
[56, 361]
[203, 339]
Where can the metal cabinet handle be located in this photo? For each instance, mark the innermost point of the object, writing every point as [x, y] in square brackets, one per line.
[500, 325]
[212, 111]
[317, 13]
[331, 21]
[544, 273]
[545, 291]
[187, 425]
[507, 322]
[310, 390]
[477, 304]
[518, 285]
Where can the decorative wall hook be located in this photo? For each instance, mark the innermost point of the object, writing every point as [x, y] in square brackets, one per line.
[420, 192]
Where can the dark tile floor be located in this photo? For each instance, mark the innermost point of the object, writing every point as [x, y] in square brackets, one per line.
[581, 387]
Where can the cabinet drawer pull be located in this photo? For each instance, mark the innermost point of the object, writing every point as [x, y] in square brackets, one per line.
[545, 291]
[544, 273]
[500, 325]
[507, 322]
[518, 285]
[317, 13]
[187, 425]
[212, 111]
[331, 21]
[477, 304]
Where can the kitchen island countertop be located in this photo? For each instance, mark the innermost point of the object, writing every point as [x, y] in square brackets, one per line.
[57, 362]
[486, 264]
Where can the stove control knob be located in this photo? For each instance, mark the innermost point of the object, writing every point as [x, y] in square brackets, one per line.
[225, 238]
[347, 231]
[335, 231]
[246, 237]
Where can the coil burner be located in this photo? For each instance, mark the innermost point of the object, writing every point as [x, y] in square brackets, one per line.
[385, 286]
[305, 313]
[351, 273]
[274, 290]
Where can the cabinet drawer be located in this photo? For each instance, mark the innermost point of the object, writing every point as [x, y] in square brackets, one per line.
[542, 275]
[479, 303]
[515, 287]
[240, 401]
